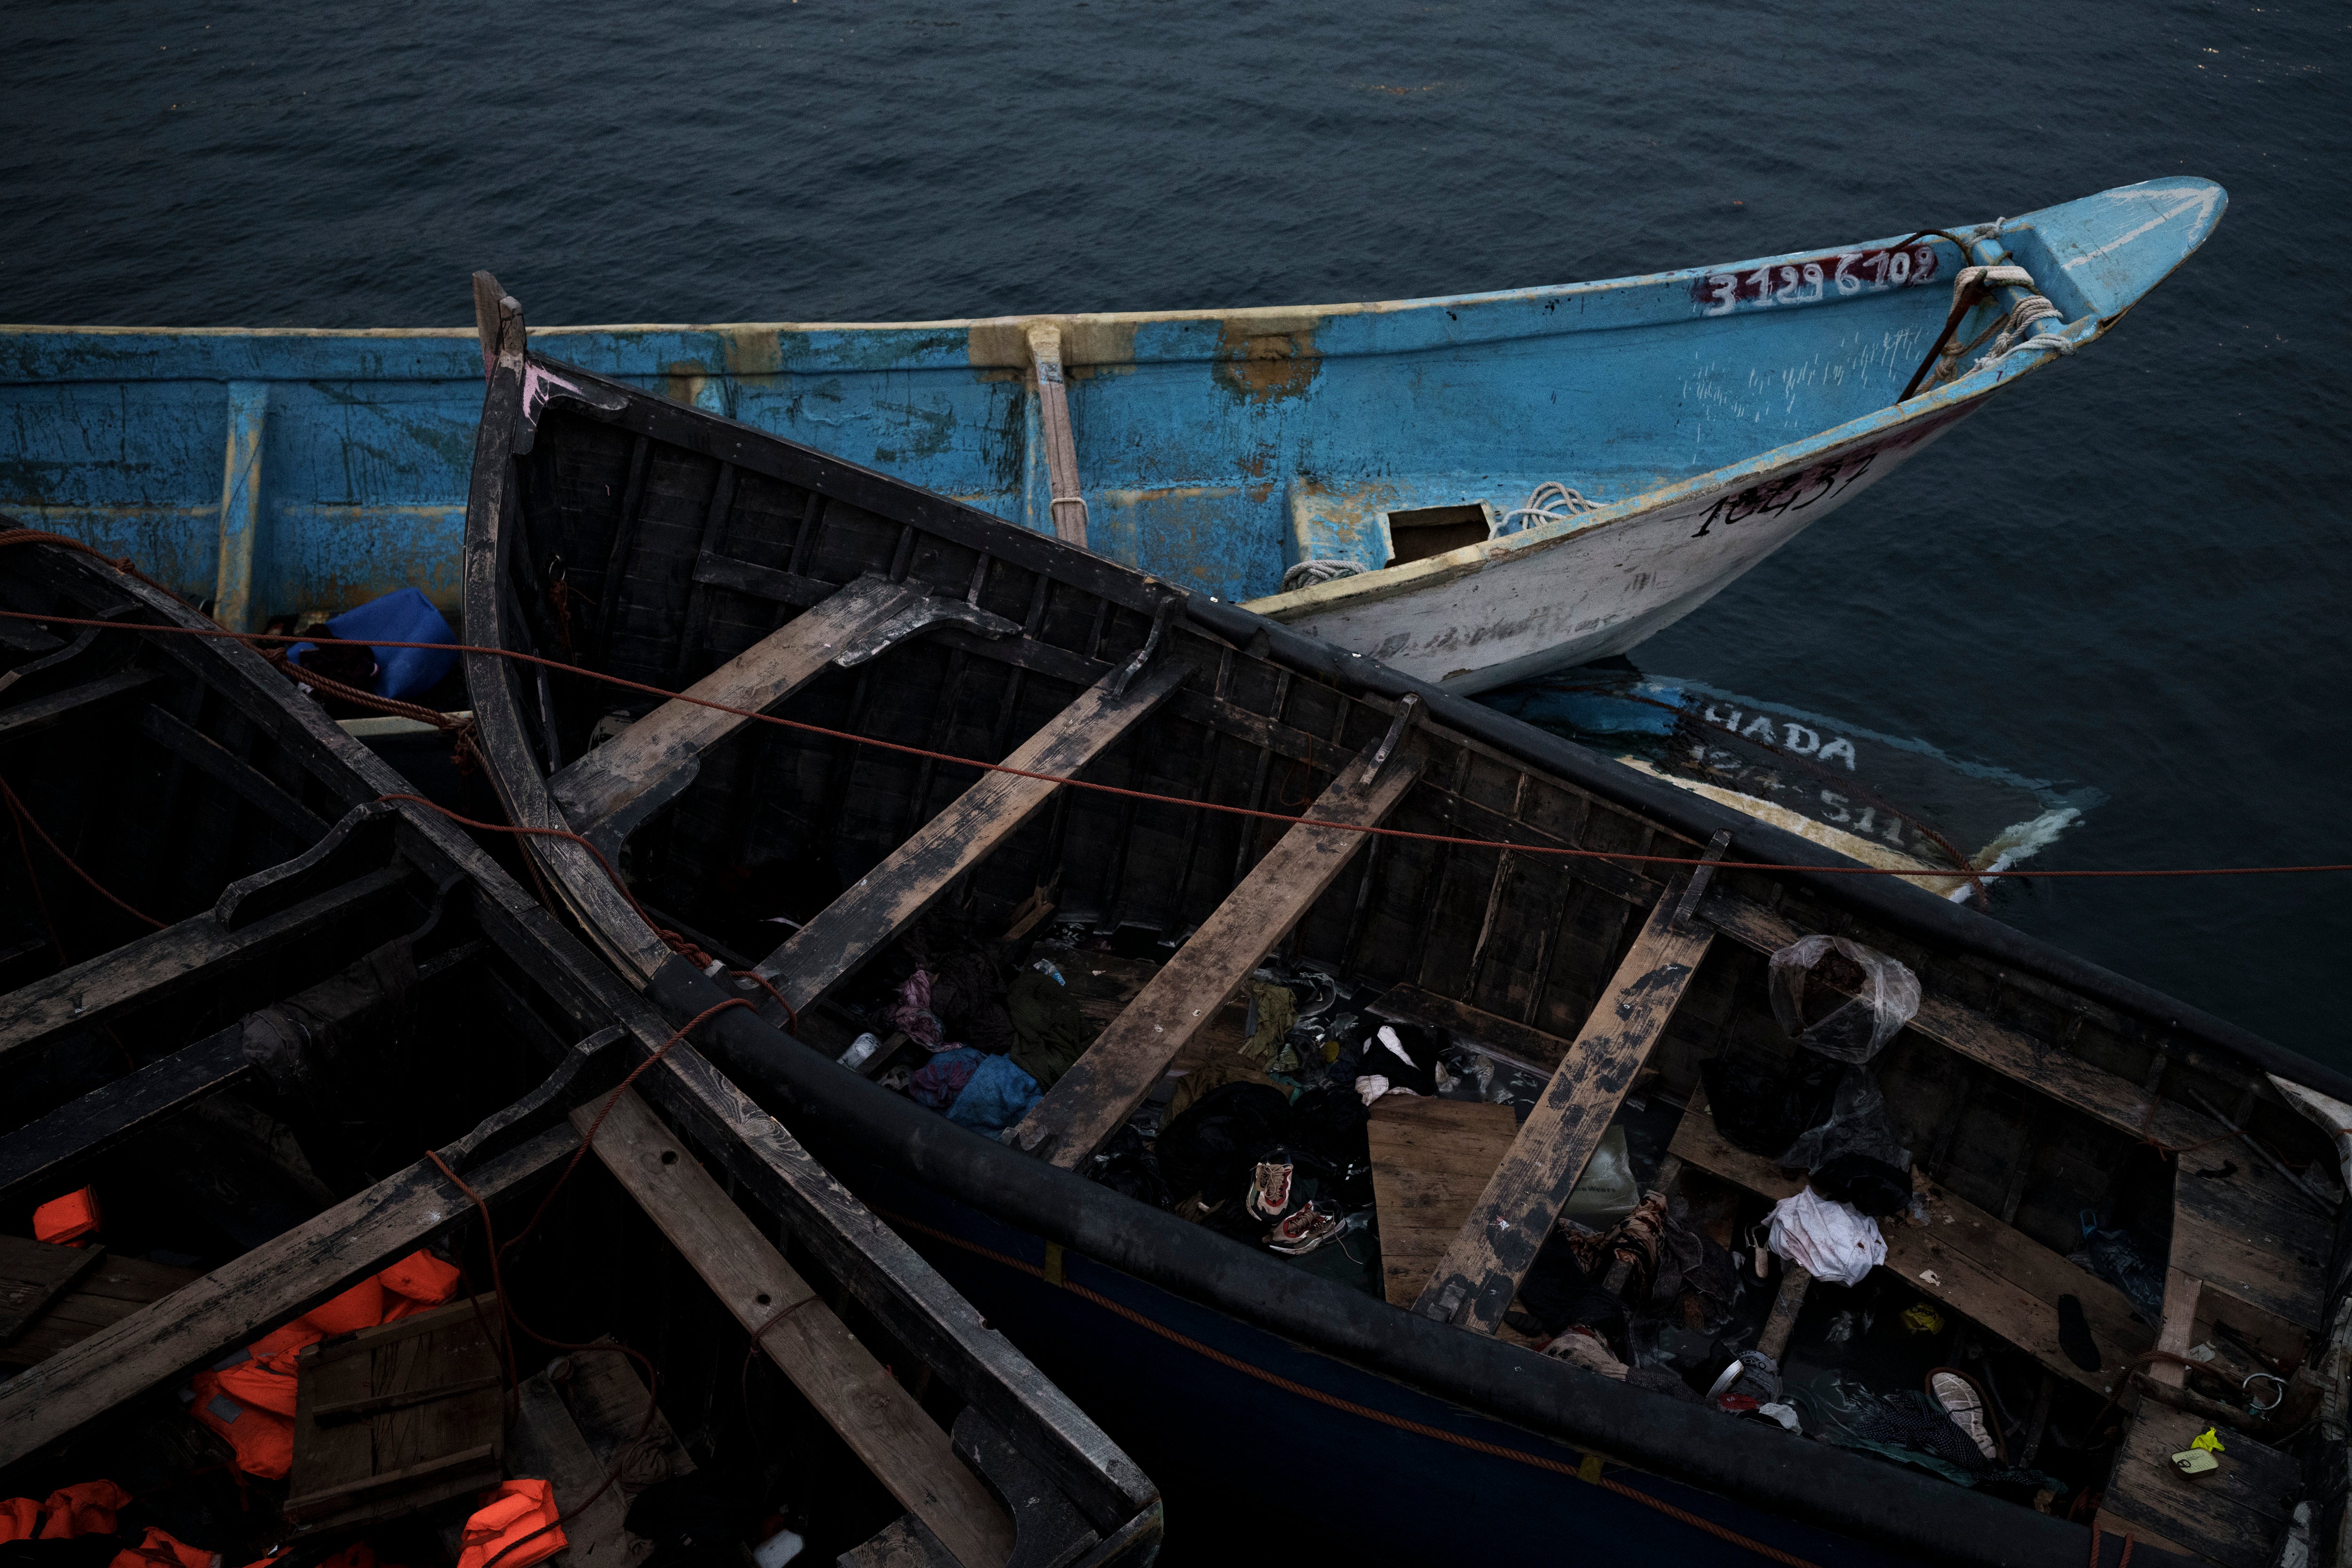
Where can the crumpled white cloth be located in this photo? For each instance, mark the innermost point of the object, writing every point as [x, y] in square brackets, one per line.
[1835, 1242]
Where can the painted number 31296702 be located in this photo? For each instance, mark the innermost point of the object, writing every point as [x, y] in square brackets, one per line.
[1801, 282]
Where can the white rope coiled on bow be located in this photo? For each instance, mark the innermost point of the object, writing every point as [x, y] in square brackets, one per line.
[2013, 339]
[1313, 574]
[1551, 501]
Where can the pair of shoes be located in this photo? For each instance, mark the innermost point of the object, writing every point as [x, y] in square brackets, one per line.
[1964, 1402]
[1314, 1224]
[1270, 1191]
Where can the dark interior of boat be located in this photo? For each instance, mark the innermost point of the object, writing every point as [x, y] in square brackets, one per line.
[253, 1016]
[2120, 1235]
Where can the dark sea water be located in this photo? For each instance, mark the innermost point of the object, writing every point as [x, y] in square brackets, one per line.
[2130, 572]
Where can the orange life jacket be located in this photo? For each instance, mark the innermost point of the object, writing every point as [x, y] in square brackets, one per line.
[264, 1440]
[509, 1513]
[421, 1280]
[264, 1382]
[361, 1306]
[20, 1517]
[160, 1550]
[63, 1222]
[86, 1508]
[258, 1383]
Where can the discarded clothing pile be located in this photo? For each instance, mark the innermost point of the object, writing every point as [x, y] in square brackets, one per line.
[1908, 1426]
[248, 1397]
[1670, 1263]
[1282, 1158]
[997, 1045]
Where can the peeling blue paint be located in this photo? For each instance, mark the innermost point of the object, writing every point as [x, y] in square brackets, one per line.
[1215, 448]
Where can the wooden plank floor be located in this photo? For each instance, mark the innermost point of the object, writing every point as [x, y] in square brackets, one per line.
[2232, 1517]
[1431, 1159]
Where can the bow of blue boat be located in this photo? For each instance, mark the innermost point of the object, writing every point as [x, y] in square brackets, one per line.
[273, 472]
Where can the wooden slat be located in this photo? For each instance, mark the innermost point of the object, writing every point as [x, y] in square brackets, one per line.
[889, 898]
[169, 961]
[1105, 1085]
[1497, 1037]
[33, 1274]
[889, 1279]
[617, 772]
[241, 1301]
[107, 1115]
[879, 1420]
[216, 761]
[1481, 1271]
[396, 1417]
[1069, 519]
[2013, 1054]
[2179, 1330]
[545, 1441]
[1965, 1257]
[1431, 1159]
[29, 718]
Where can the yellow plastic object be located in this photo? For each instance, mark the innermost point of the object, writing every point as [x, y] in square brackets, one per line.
[2208, 1440]
[1921, 1318]
[2195, 1461]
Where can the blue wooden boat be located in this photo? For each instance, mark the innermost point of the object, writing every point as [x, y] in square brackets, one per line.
[1394, 1406]
[1372, 474]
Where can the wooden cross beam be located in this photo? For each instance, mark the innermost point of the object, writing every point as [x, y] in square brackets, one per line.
[1105, 1085]
[1481, 1271]
[889, 898]
[638, 763]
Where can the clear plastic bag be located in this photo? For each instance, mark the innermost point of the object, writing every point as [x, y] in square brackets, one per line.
[1886, 997]
[1857, 1125]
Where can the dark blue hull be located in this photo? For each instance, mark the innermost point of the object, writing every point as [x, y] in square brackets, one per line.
[1335, 1459]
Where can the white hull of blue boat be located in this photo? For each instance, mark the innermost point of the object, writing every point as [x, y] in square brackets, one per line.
[1527, 605]
[1708, 414]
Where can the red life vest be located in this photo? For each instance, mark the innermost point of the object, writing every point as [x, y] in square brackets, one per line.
[20, 1519]
[64, 1222]
[512, 1512]
[86, 1508]
[160, 1550]
[250, 1399]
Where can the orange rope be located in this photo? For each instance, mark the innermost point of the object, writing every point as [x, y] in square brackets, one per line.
[1061, 779]
[1589, 1471]
[24, 818]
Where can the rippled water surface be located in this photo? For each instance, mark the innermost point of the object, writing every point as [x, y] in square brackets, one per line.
[2118, 576]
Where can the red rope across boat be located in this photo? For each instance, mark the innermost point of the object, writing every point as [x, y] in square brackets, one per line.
[1062, 779]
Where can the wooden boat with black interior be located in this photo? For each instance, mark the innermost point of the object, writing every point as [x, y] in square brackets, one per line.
[847, 647]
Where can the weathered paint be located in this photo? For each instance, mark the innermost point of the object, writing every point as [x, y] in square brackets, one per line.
[1216, 448]
[244, 518]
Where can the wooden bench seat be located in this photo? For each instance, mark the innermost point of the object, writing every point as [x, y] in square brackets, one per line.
[2251, 1250]
[2232, 1517]
[1965, 1259]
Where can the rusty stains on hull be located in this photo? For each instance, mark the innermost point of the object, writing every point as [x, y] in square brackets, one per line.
[1264, 367]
